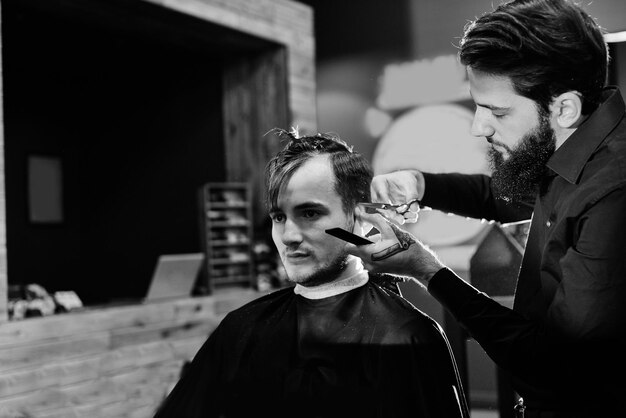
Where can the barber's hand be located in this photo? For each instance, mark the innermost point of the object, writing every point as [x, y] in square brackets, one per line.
[396, 251]
[399, 187]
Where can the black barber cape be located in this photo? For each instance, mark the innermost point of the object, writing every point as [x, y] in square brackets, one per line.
[364, 353]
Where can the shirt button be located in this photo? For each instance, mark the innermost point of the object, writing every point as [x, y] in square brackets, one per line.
[548, 223]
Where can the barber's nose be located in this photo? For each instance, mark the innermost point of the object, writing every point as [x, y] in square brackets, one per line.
[291, 233]
[481, 125]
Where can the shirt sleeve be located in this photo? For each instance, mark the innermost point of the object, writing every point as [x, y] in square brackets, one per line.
[471, 195]
[585, 320]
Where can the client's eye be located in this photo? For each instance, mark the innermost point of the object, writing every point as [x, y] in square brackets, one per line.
[309, 214]
[277, 217]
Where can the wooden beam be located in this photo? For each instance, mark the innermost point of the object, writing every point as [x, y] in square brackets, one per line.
[4, 316]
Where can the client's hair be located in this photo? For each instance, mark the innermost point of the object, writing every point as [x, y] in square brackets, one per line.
[352, 171]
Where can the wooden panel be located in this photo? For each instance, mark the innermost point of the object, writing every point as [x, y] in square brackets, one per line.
[106, 363]
[50, 350]
[288, 23]
[187, 348]
[270, 19]
[178, 329]
[17, 333]
[26, 379]
[83, 368]
[142, 383]
[255, 102]
[3, 232]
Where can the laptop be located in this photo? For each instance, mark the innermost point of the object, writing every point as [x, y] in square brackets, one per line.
[174, 276]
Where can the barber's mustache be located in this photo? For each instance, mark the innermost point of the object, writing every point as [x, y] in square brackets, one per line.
[498, 143]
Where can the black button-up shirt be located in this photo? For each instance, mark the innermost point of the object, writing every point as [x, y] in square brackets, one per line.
[565, 340]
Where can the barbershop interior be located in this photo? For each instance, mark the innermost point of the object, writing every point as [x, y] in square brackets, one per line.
[135, 136]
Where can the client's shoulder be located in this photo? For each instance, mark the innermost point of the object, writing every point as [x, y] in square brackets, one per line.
[269, 302]
[388, 282]
[400, 314]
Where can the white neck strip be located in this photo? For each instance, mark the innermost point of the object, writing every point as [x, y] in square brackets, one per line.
[352, 277]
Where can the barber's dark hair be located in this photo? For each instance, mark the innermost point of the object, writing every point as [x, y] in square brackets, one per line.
[352, 171]
[546, 47]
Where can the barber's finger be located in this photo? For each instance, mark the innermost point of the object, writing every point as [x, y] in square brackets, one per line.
[375, 219]
[392, 216]
[361, 251]
[379, 190]
[354, 250]
[397, 218]
[410, 217]
[414, 207]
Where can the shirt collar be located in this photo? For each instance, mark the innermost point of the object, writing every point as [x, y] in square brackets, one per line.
[569, 160]
[352, 277]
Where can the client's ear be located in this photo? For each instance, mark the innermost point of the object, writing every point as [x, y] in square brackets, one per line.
[358, 227]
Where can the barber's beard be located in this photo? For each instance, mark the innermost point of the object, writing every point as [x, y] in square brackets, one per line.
[518, 178]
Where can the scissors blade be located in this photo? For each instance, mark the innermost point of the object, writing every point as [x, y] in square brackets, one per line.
[375, 205]
[371, 207]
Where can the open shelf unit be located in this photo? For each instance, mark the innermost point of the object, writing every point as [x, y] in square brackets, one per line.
[226, 220]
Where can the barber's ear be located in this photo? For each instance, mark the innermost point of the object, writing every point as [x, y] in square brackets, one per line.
[567, 110]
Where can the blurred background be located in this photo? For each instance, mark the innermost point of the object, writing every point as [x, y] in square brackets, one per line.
[138, 129]
[359, 45]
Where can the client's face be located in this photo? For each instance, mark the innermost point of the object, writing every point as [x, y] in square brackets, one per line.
[306, 207]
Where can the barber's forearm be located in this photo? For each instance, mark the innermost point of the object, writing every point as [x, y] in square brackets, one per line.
[423, 263]
[450, 290]
[425, 272]
[461, 194]
[497, 328]
[471, 195]
[516, 343]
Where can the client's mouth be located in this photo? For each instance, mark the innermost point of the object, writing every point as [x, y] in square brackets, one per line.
[296, 254]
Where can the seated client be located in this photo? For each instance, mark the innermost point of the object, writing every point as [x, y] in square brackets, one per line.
[340, 341]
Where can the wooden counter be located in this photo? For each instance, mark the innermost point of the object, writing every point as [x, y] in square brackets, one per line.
[110, 362]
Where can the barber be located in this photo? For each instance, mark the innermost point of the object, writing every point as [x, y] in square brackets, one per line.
[557, 136]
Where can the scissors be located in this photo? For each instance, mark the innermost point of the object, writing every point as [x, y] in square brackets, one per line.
[400, 209]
